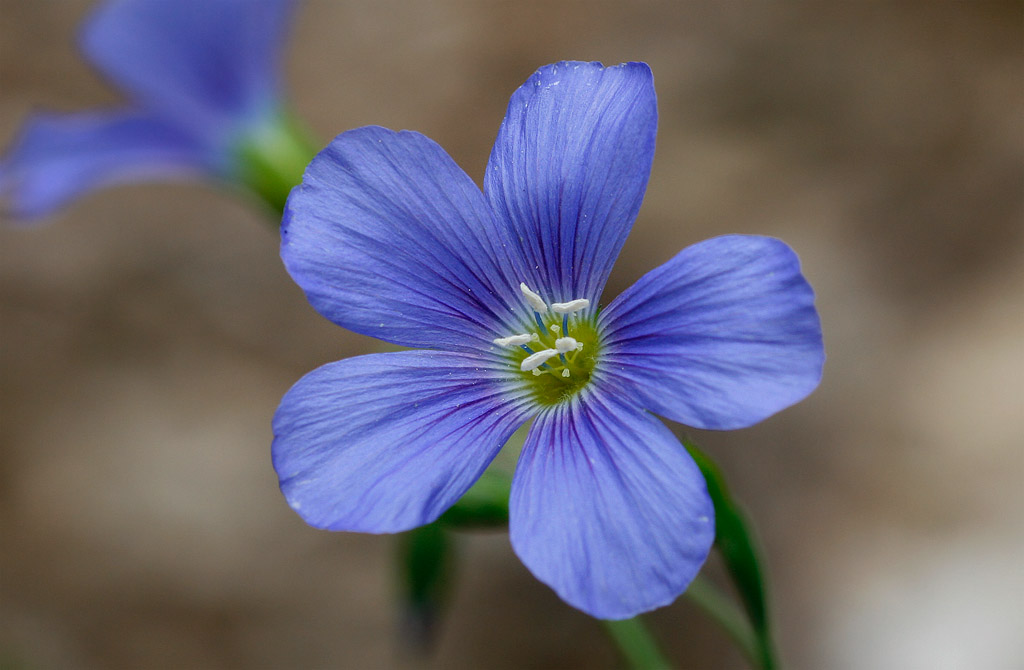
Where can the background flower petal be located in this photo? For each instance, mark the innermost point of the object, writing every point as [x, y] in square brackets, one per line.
[390, 238]
[385, 442]
[608, 508]
[722, 336]
[208, 65]
[569, 170]
[58, 157]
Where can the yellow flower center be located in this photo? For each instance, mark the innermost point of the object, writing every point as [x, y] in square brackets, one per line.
[557, 357]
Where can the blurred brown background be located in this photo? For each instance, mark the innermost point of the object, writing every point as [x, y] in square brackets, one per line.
[147, 333]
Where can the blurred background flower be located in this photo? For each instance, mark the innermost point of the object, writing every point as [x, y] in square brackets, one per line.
[202, 78]
[143, 349]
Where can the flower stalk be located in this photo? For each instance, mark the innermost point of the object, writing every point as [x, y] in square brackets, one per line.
[636, 644]
[720, 609]
[736, 543]
[271, 160]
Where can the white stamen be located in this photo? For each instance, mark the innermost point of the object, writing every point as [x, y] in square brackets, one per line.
[579, 346]
[565, 372]
[565, 344]
[555, 328]
[536, 372]
[514, 340]
[532, 298]
[570, 307]
[534, 361]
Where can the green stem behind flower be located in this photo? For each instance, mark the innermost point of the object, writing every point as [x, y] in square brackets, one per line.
[732, 620]
[425, 560]
[734, 538]
[636, 644]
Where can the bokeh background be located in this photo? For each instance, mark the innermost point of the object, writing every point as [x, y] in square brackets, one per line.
[148, 332]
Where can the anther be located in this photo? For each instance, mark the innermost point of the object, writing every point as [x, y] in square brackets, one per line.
[534, 299]
[565, 344]
[565, 372]
[514, 340]
[534, 361]
[570, 307]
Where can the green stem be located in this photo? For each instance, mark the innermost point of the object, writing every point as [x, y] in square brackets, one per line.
[636, 644]
[731, 619]
[271, 161]
[426, 558]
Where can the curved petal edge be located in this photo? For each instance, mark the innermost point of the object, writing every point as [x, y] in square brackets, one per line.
[608, 508]
[59, 157]
[569, 169]
[390, 238]
[721, 336]
[383, 443]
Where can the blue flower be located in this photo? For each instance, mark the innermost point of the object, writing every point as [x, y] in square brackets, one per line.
[202, 76]
[500, 291]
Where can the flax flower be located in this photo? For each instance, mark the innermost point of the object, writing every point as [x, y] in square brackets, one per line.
[499, 292]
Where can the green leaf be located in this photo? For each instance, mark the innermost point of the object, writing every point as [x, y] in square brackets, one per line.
[735, 542]
[484, 505]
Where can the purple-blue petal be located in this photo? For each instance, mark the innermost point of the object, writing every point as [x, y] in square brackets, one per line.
[58, 157]
[386, 442]
[608, 508]
[720, 337]
[211, 66]
[569, 169]
[390, 238]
